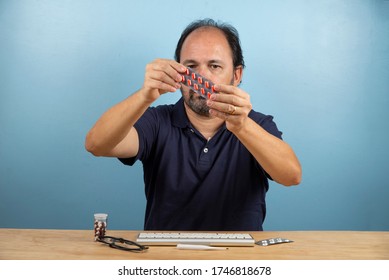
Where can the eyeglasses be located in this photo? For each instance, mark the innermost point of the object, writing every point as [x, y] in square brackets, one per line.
[122, 244]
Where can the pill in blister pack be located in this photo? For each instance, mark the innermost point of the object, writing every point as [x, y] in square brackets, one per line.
[272, 241]
[204, 87]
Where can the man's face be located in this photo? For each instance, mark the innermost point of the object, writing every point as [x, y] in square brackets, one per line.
[206, 51]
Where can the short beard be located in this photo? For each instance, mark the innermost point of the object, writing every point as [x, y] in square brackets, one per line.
[197, 104]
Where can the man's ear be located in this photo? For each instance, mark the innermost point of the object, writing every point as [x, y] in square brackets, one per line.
[238, 75]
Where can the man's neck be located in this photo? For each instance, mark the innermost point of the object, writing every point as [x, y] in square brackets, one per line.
[207, 126]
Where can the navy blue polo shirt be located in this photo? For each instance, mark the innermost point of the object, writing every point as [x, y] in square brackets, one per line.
[192, 183]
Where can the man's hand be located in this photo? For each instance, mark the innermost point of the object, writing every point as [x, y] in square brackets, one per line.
[231, 104]
[275, 156]
[161, 76]
[113, 134]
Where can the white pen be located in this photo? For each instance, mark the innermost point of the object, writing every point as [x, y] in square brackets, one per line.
[198, 247]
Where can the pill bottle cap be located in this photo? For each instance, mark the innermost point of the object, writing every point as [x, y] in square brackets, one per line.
[101, 216]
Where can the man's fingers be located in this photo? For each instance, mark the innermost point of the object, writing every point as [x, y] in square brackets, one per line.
[164, 75]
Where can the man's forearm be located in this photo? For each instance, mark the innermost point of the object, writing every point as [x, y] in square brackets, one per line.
[115, 124]
[274, 155]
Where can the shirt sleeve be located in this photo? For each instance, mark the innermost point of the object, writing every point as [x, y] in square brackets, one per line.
[146, 127]
[267, 123]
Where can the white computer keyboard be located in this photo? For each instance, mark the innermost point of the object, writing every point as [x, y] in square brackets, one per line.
[203, 238]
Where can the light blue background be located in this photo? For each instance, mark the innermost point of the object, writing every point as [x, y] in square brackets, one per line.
[320, 67]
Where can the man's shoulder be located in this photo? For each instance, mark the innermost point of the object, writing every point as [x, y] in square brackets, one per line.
[266, 122]
[161, 108]
[164, 108]
[167, 114]
[159, 112]
[259, 117]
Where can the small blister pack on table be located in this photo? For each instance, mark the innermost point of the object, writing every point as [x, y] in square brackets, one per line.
[202, 86]
[272, 241]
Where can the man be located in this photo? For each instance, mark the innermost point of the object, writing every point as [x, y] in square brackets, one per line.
[206, 161]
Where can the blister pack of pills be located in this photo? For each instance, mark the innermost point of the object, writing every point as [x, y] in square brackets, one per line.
[272, 241]
[202, 86]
